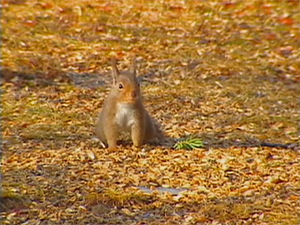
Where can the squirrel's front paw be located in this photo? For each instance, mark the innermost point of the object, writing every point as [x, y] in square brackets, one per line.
[112, 148]
[136, 148]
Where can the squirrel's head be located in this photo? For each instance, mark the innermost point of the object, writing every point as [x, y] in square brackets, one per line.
[125, 84]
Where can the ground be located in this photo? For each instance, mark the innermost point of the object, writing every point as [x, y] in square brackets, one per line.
[227, 72]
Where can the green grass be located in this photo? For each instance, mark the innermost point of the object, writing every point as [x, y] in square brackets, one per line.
[189, 143]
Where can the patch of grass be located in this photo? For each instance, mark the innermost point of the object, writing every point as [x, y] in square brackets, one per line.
[189, 143]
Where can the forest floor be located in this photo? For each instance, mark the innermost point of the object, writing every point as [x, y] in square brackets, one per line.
[227, 72]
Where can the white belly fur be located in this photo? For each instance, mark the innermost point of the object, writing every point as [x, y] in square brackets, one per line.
[125, 116]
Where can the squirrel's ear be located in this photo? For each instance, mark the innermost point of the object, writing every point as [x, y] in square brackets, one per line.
[132, 68]
[115, 71]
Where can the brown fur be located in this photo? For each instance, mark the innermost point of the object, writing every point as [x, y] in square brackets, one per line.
[123, 110]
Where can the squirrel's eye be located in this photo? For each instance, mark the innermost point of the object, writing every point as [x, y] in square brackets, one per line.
[120, 86]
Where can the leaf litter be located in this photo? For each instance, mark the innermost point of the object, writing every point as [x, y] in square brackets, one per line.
[212, 70]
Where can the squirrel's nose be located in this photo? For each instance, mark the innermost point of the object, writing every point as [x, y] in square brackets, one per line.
[133, 94]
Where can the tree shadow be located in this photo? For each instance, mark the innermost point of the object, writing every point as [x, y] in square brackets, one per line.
[85, 80]
[221, 140]
[13, 203]
[22, 79]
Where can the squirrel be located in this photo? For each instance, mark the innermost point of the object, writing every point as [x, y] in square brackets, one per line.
[123, 111]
